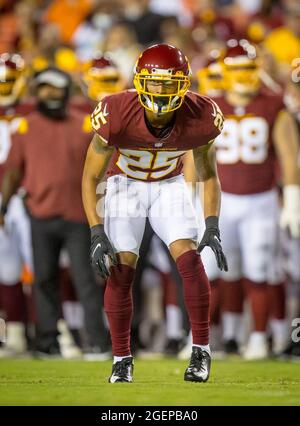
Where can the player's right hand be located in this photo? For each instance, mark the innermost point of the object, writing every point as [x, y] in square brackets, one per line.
[211, 238]
[101, 248]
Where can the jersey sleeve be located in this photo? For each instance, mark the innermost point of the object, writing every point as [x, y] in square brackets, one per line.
[215, 120]
[101, 119]
[16, 156]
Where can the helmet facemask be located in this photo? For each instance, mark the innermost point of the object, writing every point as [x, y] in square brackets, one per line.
[242, 76]
[100, 83]
[174, 88]
[12, 81]
[211, 80]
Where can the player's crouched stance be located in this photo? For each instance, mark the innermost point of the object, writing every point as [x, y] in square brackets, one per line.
[143, 134]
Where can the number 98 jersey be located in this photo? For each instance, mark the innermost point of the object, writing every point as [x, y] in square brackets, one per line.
[120, 120]
[246, 155]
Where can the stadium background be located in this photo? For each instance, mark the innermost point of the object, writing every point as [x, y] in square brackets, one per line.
[67, 33]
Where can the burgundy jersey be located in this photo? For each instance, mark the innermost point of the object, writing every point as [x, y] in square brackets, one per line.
[245, 151]
[120, 120]
[51, 154]
[10, 119]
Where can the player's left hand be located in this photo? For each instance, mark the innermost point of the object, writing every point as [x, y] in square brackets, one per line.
[211, 238]
[101, 250]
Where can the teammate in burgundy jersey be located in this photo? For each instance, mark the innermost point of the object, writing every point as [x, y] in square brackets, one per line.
[148, 131]
[258, 132]
[15, 246]
[100, 77]
[254, 161]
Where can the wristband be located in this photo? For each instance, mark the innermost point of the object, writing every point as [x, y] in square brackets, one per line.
[97, 229]
[212, 222]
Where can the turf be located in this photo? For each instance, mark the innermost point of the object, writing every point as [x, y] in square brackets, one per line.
[34, 382]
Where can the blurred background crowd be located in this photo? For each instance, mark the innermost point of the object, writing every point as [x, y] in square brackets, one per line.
[96, 43]
[67, 33]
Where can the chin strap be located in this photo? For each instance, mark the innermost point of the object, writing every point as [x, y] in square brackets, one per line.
[159, 107]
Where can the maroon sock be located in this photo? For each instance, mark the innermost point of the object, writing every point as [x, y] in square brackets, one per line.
[196, 290]
[118, 307]
[13, 302]
[232, 296]
[215, 302]
[258, 297]
[169, 289]
[276, 298]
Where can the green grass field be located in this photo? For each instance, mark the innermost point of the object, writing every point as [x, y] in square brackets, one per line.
[34, 382]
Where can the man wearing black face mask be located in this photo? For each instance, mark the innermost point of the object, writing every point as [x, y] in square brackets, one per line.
[47, 156]
[53, 92]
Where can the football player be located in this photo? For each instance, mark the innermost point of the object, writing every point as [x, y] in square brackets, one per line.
[101, 77]
[258, 132]
[144, 133]
[15, 242]
[210, 78]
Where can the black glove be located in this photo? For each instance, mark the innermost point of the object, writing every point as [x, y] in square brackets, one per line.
[100, 248]
[212, 239]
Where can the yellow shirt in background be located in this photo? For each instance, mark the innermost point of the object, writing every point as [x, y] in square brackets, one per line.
[283, 45]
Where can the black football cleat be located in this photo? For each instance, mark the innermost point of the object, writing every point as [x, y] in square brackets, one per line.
[199, 367]
[122, 371]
